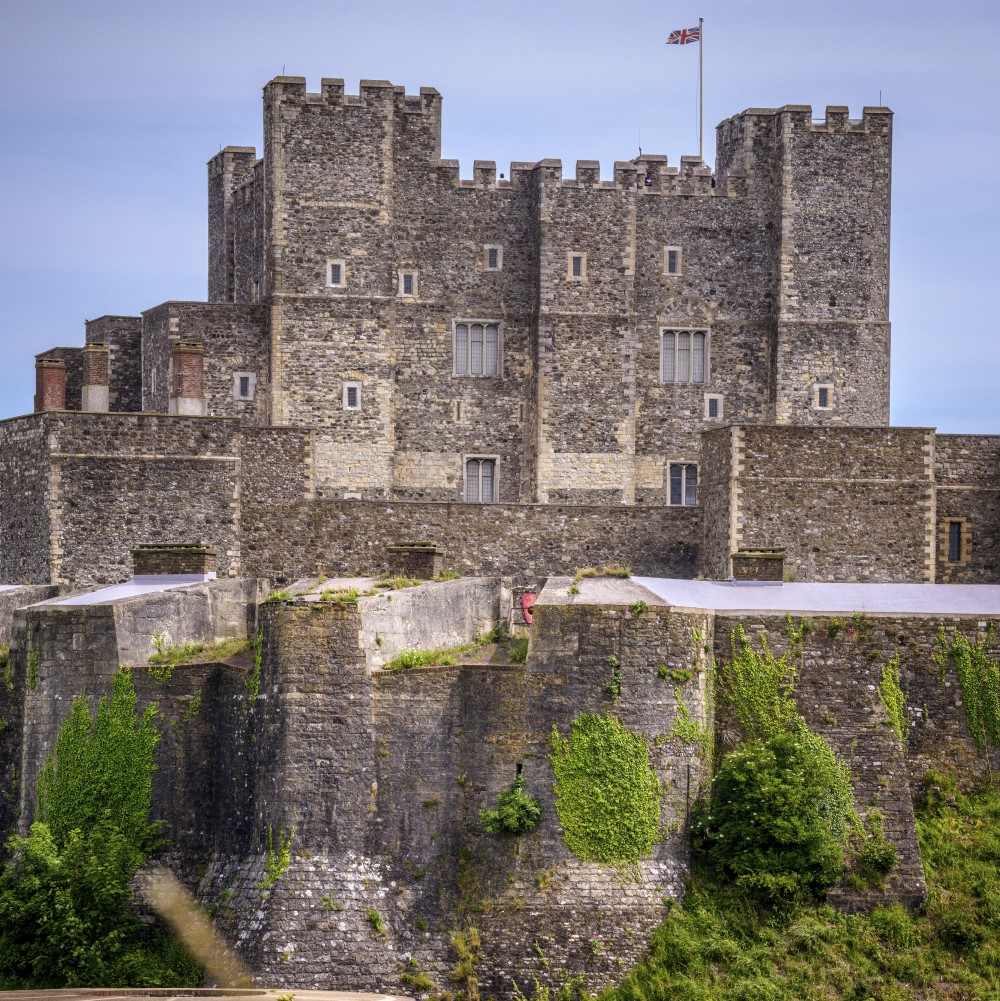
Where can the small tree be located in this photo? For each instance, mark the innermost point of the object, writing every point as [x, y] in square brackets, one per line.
[779, 817]
[66, 917]
[517, 812]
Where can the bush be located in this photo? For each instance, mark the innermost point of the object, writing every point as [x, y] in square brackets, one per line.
[517, 812]
[66, 915]
[778, 820]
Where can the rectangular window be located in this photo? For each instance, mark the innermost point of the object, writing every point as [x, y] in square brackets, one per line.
[684, 356]
[954, 542]
[477, 348]
[408, 283]
[493, 257]
[335, 274]
[458, 410]
[352, 395]
[823, 396]
[713, 408]
[244, 384]
[576, 267]
[480, 481]
[671, 260]
[683, 484]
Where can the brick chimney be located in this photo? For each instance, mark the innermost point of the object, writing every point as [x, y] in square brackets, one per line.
[95, 393]
[187, 384]
[50, 384]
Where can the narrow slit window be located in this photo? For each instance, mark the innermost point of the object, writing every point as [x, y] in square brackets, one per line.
[823, 397]
[407, 283]
[244, 386]
[352, 395]
[577, 267]
[672, 260]
[954, 542]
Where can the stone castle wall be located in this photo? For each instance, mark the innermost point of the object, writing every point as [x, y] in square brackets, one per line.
[966, 489]
[844, 503]
[383, 775]
[578, 412]
[82, 490]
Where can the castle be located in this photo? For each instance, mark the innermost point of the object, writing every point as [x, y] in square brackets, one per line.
[676, 369]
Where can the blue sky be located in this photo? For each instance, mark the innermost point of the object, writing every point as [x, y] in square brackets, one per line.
[109, 111]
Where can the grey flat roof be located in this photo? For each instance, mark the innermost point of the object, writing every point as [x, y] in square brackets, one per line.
[887, 599]
[145, 584]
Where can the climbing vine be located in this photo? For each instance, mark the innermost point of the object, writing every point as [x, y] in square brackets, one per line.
[759, 686]
[277, 858]
[892, 697]
[252, 682]
[101, 770]
[979, 677]
[607, 796]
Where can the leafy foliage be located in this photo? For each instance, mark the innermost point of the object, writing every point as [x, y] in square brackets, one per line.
[102, 769]
[892, 697]
[65, 898]
[779, 817]
[277, 859]
[607, 796]
[517, 812]
[759, 687]
[979, 676]
[721, 946]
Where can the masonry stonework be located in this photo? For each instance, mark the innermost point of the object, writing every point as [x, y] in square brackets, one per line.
[534, 373]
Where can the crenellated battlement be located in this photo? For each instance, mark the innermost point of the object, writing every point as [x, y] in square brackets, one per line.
[757, 121]
[648, 173]
[371, 93]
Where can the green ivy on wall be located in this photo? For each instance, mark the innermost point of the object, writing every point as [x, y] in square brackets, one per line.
[607, 796]
[979, 676]
[893, 698]
[759, 686]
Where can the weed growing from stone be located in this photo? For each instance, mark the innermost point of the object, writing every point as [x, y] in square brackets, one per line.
[166, 656]
[277, 858]
[375, 920]
[519, 650]
[517, 812]
[34, 664]
[613, 688]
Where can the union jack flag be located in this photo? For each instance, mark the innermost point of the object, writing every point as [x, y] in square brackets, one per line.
[684, 36]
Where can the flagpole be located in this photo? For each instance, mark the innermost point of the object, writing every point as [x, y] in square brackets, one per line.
[701, 90]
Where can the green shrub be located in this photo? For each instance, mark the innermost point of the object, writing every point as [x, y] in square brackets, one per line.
[66, 913]
[778, 819]
[519, 650]
[517, 812]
